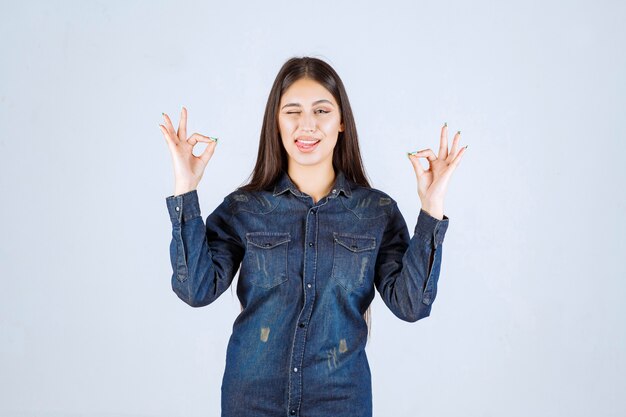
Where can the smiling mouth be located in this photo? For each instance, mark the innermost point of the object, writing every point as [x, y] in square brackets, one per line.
[307, 145]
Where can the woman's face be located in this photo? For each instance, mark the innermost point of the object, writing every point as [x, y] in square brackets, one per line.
[307, 111]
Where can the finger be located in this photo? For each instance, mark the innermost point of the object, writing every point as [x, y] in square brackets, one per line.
[443, 142]
[455, 145]
[197, 137]
[170, 128]
[166, 134]
[426, 153]
[182, 124]
[457, 159]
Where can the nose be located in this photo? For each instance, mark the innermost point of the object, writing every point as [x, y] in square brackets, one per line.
[307, 123]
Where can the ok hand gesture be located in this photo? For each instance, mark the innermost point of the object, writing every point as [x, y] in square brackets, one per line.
[188, 168]
[433, 182]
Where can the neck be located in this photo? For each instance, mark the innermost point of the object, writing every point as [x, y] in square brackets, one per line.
[315, 181]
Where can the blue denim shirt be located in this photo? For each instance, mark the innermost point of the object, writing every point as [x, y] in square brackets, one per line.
[307, 274]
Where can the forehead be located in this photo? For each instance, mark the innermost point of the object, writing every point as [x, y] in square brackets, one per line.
[306, 91]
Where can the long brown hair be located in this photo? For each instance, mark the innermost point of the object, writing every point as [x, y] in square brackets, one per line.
[272, 157]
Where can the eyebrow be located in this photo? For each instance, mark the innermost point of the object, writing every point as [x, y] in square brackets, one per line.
[314, 103]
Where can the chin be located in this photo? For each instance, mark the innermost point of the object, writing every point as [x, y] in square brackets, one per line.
[309, 160]
[306, 161]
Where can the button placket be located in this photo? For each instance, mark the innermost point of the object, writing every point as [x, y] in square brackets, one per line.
[179, 204]
[299, 342]
[436, 235]
[181, 259]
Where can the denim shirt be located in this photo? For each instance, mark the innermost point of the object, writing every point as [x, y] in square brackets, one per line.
[307, 274]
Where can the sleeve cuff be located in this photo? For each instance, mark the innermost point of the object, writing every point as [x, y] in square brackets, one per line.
[428, 225]
[183, 207]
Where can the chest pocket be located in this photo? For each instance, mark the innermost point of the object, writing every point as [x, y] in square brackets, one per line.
[265, 261]
[353, 256]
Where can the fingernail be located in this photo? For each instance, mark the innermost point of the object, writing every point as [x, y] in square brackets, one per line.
[213, 139]
[163, 113]
[466, 146]
[445, 124]
[411, 153]
[459, 132]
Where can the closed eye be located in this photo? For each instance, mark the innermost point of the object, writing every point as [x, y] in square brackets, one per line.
[296, 112]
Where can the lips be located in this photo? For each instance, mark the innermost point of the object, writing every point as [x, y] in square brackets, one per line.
[306, 145]
[306, 139]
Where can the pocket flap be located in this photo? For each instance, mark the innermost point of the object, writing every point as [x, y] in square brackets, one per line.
[355, 243]
[268, 240]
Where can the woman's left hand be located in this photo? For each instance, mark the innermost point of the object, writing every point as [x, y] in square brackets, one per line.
[433, 182]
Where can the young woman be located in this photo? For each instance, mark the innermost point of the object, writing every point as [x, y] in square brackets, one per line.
[314, 241]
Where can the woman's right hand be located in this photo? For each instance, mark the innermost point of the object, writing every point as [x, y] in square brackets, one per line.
[188, 168]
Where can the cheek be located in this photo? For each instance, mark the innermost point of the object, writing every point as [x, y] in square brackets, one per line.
[286, 129]
[286, 125]
[330, 125]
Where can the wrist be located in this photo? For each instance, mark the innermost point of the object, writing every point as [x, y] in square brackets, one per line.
[178, 190]
[435, 211]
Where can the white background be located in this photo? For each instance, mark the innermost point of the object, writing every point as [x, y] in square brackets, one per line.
[529, 316]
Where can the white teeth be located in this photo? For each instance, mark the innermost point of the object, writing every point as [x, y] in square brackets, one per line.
[307, 141]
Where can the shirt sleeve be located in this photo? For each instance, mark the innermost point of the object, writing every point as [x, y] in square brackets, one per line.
[205, 256]
[407, 270]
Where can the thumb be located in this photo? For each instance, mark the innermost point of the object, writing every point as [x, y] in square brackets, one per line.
[206, 155]
[417, 166]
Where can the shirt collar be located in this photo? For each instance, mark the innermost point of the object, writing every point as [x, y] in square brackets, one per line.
[285, 183]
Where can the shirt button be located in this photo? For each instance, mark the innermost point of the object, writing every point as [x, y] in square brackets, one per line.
[301, 325]
[293, 412]
[334, 191]
[295, 369]
[310, 243]
[177, 208]
[308, 285]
